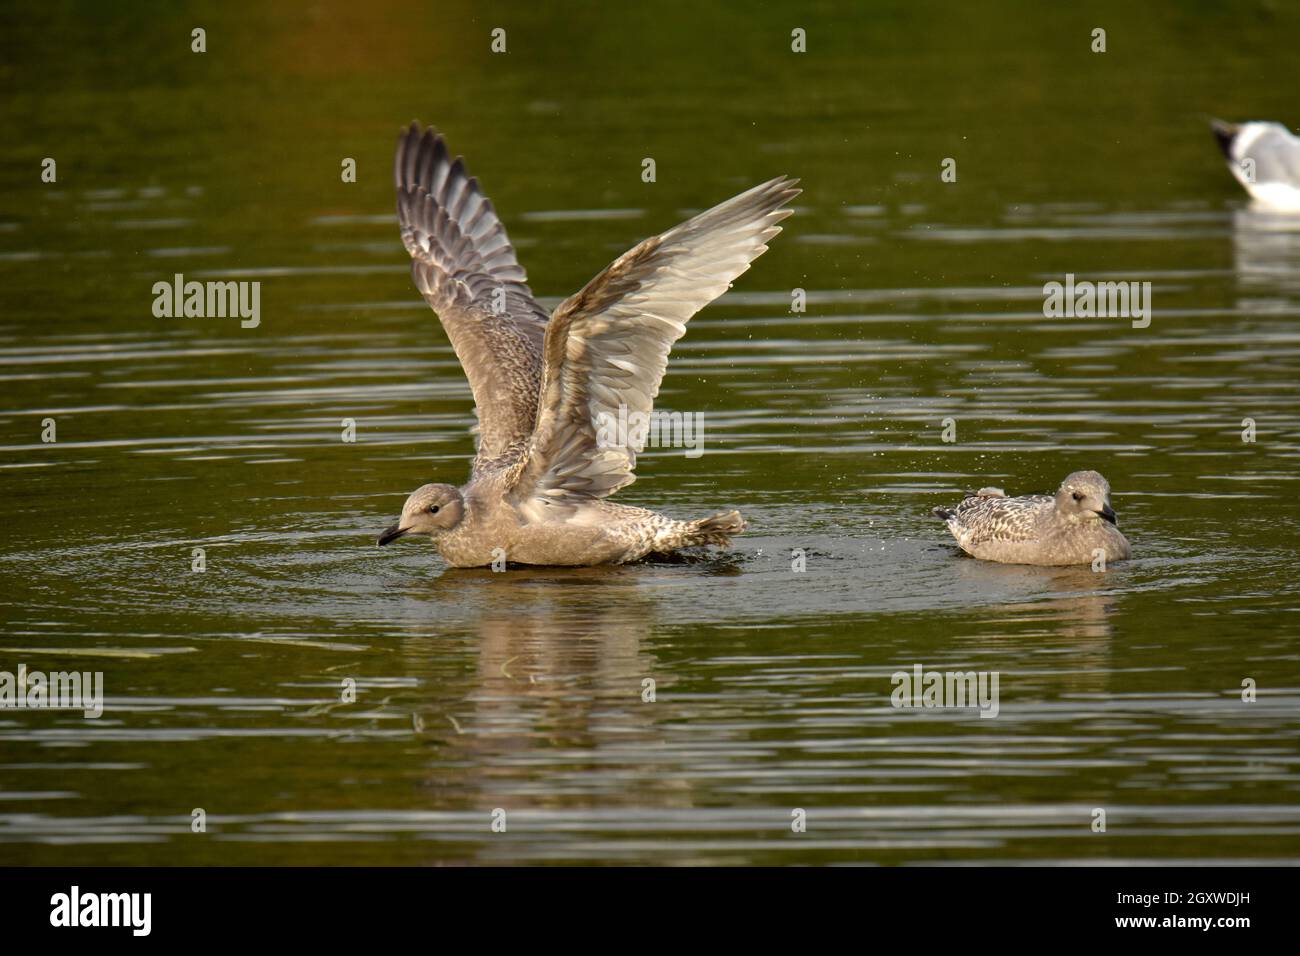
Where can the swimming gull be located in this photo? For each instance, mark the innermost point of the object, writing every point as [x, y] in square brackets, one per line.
[544, 386]
[1068, 528]
[1265, 158]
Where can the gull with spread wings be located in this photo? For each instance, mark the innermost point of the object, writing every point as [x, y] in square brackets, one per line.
[540, 483]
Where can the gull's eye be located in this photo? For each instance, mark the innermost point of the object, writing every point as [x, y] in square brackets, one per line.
[433, 509]
[1078, 497]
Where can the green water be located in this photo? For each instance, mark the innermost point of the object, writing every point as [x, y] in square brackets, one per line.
[523, 691]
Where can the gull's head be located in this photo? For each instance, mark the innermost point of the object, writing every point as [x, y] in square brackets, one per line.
[1085, 496]
[431, 509]
[1226, 134]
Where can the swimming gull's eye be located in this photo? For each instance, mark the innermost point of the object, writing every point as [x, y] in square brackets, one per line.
[433, 509]
[1078, 497]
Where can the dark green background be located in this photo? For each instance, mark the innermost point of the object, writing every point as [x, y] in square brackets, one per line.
[523, 690]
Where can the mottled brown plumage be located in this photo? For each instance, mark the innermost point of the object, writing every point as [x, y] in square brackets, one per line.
[1073, 526]
[462, 260]
[539, 483]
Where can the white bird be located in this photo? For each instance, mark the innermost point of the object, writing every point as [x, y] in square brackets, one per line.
[1265, 158]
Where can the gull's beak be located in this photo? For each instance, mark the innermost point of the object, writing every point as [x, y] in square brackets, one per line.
[392, 534]
[1107, 514]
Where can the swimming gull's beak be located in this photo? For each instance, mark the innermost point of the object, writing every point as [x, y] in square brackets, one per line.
[391, 534]
[1107, 514]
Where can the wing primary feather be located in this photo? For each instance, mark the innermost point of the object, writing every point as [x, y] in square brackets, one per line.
[465, 266]
[607, 346]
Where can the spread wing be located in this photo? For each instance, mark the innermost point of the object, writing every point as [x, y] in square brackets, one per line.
[464, 264]
[607, 346]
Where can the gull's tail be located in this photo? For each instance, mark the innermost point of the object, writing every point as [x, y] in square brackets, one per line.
[715, 529]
